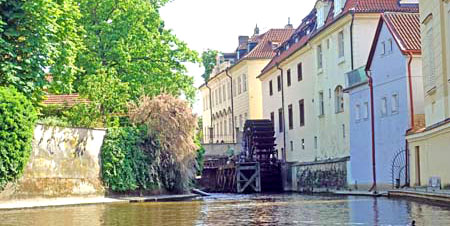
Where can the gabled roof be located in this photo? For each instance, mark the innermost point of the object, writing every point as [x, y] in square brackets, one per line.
[404, 27]
[65, 99]
[357, 6]
[264, 47]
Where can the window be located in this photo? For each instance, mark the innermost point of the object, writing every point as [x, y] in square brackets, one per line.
[303, 144]
[366, 110]
[383, 48]
[280, 120]
[288, 75]
[231, 125]
[389, 47]
[316, 142]
[270, 88]
[224, 95]
[290, 117]
[343, 131]
[358, 112]
[321, 104]
[337, 7]
[234, 88]
[272, 118]
[244, 83]
[212, 98]
[319, 57]
[292, 145]
[430, 58]
[225, 129]
[339, 99]
[320, 16]
[240, 122]
[299, 72]
[239, 85]
[229, 90]
[301, 107]
[394, 103]
[383, 106]
[341, 44]
[279, 83]
[220, 94]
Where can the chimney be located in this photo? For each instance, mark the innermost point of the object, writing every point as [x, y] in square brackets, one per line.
[243, 39]
[289, 25]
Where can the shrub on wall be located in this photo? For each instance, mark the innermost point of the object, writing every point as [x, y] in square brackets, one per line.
[125, 164]
[17, 118]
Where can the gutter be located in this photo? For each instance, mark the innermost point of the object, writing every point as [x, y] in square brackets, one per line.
[372, 122]
[283, 151]
[232, 104]
[210, 108]
[352, 12]
[411, 103]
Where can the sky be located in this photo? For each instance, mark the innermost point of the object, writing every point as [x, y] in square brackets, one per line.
[216, 24]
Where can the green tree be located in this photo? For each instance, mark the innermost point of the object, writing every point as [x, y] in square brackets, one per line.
[17, 117]
[128, 36]
[208, 62]
[36, 36]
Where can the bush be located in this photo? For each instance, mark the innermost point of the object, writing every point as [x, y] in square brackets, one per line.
[17, 118]
[172, 123]
[125, 164]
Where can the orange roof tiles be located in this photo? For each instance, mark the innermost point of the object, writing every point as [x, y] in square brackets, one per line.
[405, 28]
[359, 6]
[264, 47]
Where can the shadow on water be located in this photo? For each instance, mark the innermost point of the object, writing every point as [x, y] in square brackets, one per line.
[232, 209]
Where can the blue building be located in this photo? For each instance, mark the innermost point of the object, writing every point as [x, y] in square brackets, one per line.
[394, 66]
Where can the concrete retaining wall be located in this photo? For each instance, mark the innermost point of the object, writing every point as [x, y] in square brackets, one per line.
[320, 176]
[64, 162]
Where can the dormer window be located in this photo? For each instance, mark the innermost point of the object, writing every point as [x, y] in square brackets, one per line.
[338, 5]
[275, 45]
[320, 16]
[296, 39]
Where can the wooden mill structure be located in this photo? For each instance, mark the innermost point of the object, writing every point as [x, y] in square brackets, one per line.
[256, 169]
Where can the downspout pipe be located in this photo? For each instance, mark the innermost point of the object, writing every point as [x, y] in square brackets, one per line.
[411, 103]
[232, 104]
[372, 123]
[283, 153]
[352, 11]
[211, 111]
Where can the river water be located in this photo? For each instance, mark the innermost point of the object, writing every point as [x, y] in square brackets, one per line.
[222, 210]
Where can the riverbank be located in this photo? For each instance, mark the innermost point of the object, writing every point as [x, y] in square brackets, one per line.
[76, 201]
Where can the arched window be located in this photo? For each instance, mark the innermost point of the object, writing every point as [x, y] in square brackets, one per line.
[339, 99]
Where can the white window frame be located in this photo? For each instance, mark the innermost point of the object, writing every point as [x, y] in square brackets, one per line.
[337, 7]
[341, 45]
[319, 57]
[339, 99]
[321, 104]
[384, 107]
[366, 110]
[357, 112]
[244, 83]
[394, 103]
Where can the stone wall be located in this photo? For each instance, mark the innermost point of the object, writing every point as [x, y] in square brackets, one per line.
[64, 162]
[320, 176]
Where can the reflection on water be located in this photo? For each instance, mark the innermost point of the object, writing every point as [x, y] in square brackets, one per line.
[278, 209]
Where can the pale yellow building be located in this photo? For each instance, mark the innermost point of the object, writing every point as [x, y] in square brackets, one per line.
[312, 126]
[430, 147]
[233, 94]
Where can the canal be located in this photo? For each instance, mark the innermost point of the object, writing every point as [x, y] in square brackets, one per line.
[222, 210]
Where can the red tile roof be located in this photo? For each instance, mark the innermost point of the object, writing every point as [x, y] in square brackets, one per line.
[405, 27]
[359, 6]
[69, 99]
[264, 47]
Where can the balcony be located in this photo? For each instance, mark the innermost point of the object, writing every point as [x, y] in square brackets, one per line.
[355, 78]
